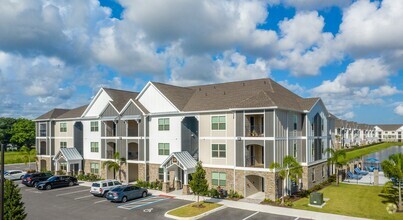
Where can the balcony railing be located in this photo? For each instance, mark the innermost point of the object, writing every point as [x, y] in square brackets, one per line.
[250, 161]
[254, 131]
[133, 155]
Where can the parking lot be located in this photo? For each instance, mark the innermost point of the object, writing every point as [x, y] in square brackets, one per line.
[240, 214]
[77, 203]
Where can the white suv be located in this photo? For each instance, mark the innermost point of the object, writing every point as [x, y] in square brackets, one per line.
[100, 188]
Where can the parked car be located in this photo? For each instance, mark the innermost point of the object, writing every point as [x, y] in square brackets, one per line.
[14, 174]
[126, 192]
[100, 188]
[31, 179]
[57, 181]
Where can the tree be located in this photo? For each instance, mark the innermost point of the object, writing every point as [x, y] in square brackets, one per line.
[290, 169]
[393, 168]
[116, 165]
[13, 206]
[199, 184]
[27, 154]
[23, 132]
[5, 129]
[336, 158]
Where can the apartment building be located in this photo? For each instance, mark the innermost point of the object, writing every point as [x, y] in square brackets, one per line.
[349, 134]
[389, 132]
[237, 130]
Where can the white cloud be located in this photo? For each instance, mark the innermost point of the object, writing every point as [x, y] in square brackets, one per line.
[399, 109]
[314, 4]
[296, 88]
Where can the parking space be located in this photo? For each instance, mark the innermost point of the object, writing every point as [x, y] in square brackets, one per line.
[77, 203]
[240, 214]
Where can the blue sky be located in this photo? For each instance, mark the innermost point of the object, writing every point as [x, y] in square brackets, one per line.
[58, 53]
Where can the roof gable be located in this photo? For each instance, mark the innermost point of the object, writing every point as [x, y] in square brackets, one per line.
[154, 100]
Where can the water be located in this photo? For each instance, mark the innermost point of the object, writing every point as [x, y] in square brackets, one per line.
[383, 154]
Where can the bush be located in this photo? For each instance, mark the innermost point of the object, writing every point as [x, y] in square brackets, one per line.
[60, 172]
[31, 171]
[213, 193]
[88, 177]
[234, 195]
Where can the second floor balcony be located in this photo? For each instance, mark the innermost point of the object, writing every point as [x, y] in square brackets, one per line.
[110, 129]
[254, 125]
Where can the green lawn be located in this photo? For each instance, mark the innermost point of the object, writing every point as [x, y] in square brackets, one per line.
[15, 157]
[352, 200]
[190, 211]
[368, 150]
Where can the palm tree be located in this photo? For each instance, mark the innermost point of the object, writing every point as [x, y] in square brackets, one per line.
[27, 154]
[336, 158]
[290, 169]
[116, 165]
[393, 168]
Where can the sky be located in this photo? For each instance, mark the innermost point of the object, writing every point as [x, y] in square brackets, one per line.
[59, 53]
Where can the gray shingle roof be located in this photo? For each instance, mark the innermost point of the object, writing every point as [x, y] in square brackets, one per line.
[54, 113]
[120, 97]
[390, 127]
[74, 113]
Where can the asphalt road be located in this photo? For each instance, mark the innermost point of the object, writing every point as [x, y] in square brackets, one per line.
[240, 214]
[77, 203]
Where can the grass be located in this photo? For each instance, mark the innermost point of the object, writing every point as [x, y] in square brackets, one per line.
[15, 157]
[190, 211]
[352, 200]
[368, 150]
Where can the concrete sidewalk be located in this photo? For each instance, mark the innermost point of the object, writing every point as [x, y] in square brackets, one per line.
[297, 213]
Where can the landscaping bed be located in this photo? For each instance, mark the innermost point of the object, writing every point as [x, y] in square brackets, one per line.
[194, 209]
[352, 200]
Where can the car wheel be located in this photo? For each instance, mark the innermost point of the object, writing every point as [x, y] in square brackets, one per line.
[21, 177]
[48, 187]
[105, 193]
[144, 194]
[35, 184]
[124, 199]
[71, 183]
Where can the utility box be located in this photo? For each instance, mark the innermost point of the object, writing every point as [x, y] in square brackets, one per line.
[316, 198]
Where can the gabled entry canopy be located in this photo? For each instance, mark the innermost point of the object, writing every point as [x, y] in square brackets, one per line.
[70, 154]
[181, 159]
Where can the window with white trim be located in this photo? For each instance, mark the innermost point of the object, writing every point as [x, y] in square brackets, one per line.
[94, 126]
[94, 168]
[94, 147]
[63, 144]
[163, 149]
[163, 124]
[218, 123]
[63, 127]
[218, 179]
[218, 150]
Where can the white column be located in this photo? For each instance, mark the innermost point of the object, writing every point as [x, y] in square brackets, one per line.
[56, 165]
[185, 178]
[80, 166]
[68, 166]
[165, 175]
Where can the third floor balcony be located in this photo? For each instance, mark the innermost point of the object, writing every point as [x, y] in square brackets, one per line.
[254, 125]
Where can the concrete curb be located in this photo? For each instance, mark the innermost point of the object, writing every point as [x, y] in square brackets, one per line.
[193, 217]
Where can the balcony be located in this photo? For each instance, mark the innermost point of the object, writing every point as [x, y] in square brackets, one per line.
[110, 129]
[110, 150]
[132, 128]
[254, 156]
[254, 125]
[42, 148]
[133, 151]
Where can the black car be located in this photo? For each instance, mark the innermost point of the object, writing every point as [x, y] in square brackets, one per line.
[31, 179]
[57, 181]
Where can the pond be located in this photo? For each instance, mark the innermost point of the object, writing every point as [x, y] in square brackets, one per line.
[383, 154]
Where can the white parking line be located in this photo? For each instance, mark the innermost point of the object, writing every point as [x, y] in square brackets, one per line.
[83, 197]
[250, 216]
[143, 202]
[71, 187]
[296, 218]
[63, 194]
[101, 201]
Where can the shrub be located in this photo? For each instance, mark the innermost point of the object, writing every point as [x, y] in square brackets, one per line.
[31, 171]
[88, 177]
[60, 172]
[214, 193]
[234, 195]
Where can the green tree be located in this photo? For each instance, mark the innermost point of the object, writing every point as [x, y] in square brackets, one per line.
[116, 165]
[290, 169]
[13, 206]
[23, 132]
[393, 168]
[199, 184]
[5, 129]
[27, 154]
[336, 159]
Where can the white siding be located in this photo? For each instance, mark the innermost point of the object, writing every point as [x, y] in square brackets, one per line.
[91, 137]
[173, 137]
[99, 105]
[153, 101]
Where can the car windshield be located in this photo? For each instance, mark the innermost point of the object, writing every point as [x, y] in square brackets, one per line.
[95, 185]
[53, 178]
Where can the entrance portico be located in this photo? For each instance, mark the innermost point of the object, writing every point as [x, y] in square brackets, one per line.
[183, 164]
[71, 157]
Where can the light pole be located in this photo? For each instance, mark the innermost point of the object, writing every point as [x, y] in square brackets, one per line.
[2, 180]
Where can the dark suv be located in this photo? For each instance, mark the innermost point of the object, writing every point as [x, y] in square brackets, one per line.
[31, 179]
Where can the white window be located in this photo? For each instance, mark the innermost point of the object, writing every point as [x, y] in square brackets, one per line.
[163, 149]
[218, 179]
[94, 147]
[94, 126]
[218, 123]
[163, 124]
[63, 127]
[94, 168]
[218, 150]
[63, 144]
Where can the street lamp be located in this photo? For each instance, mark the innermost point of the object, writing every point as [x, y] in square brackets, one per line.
[2, 180]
